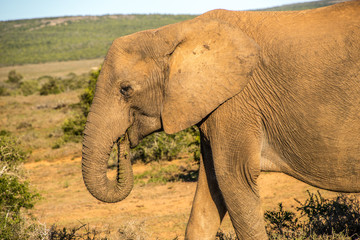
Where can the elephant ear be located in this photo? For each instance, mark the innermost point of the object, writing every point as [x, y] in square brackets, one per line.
[212, 62]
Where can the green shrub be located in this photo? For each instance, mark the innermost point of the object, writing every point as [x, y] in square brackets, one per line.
[168, 173]
[73, 128]
[15, 193]
[160, 146]
[11, 155]
[283, 223]
[220, 235]
[52, 86]
[320, 218]
[11, 85]
[73, 81]
[14, 78]
[29, 87]
[76, 233]
[87, 97]
[4, 91]
[159, 174]
[45, 85]
[325, 216]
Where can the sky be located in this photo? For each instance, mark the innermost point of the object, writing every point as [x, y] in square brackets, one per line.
[25, 9]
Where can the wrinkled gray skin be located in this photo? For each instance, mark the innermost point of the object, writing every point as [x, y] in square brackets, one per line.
[269, 91]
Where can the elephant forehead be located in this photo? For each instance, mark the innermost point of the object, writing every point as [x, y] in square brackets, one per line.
[127, 66]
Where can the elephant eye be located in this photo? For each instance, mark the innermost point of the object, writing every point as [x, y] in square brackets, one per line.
[126, 90]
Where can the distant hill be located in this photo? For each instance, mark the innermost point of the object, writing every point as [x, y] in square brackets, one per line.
[303, 6]
[86, 37]
[70, 38]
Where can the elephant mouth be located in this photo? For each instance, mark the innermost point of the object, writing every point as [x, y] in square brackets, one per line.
[133, 138]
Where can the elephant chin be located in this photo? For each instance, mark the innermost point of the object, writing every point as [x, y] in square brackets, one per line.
[143, 127]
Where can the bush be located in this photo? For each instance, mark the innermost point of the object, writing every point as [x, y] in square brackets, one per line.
[73, 81]
[73, 128]
[14, 78]
[340, 215]
[159, 174]
[283, 223]
[159, 146]
[83, 232]
[4, 91]
[29, 87]
[15, 193]
[322, 218]
[220, 235]
[87, 97]
[52, 86]
[55, 85]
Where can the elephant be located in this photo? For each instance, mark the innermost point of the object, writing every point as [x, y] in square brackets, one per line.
[269, 92]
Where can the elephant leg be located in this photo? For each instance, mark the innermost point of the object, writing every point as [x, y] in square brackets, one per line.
[236, 141]
[237, 169]
[208, 207]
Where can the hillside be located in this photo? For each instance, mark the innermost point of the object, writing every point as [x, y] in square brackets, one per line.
[83, 37]
[303, 6]
[70, 38]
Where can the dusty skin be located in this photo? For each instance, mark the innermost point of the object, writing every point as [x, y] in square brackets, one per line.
[269, 91]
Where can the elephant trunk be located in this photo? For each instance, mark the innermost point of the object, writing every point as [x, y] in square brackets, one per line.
[97, 146]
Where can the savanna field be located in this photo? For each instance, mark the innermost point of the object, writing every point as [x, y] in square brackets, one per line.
[48, 70]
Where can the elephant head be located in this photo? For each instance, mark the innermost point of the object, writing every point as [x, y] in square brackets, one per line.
[164, 79]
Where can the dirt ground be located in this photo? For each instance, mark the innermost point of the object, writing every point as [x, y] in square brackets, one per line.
[153, 211]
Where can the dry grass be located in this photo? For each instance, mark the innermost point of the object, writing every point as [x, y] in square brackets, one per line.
[58, 69]
[37, 121]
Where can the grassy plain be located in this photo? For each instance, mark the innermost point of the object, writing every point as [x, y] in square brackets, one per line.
[56, 69]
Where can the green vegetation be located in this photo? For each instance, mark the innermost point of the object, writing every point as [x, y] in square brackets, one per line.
[301, 6]
[158, 174]
[76, 233]
[320, 218]
[29, 87]
[15, 194]
[14, 78]
[73, 127]
[70, 38]
[220, 235]
[12, 84]
[163, 173]
[316, 218]
[45, 85]
[160, 146]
